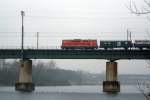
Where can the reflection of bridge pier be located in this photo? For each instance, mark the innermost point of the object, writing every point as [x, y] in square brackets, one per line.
[111, 84]
[24, 82]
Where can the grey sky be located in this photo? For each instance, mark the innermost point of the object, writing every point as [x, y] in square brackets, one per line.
[69, 19]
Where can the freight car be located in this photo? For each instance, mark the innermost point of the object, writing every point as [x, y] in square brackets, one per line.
[141, 44]
[110, 44]
[79, 44]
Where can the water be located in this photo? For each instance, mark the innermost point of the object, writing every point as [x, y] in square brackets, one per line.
[71, 93]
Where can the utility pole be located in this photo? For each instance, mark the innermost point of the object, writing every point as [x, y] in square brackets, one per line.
[37, 40]
[130, 36]
[22, 36]
[127, 34]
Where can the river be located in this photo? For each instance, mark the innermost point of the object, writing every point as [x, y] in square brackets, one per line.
[128, 92]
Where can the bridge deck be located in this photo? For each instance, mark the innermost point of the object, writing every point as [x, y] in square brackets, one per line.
[74, 54]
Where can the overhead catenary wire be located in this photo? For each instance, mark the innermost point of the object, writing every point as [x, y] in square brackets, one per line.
[86, 17]
[78, 16]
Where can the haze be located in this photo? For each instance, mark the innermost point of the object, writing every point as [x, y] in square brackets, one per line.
[56, 20]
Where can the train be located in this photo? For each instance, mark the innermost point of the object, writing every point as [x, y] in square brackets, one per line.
[105, 44]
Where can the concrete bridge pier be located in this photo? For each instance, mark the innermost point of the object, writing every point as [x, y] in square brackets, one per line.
[24, 82]
[111, 84]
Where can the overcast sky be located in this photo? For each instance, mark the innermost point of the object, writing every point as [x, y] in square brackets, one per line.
[73, 19]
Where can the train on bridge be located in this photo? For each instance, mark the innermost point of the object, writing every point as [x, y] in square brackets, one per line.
[105, 44]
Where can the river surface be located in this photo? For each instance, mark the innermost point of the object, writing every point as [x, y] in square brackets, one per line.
[71, 93]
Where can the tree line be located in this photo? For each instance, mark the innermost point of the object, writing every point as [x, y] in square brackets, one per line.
[46, 73]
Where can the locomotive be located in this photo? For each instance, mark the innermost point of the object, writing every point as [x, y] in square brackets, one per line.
[105, 44]
[79, 44]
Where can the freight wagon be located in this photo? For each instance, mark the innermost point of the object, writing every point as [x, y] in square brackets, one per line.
[142, 44]
[107, 44]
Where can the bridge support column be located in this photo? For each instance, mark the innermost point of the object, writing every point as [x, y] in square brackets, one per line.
[25, 76]
[111, 84]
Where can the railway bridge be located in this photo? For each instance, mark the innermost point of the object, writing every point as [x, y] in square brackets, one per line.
[111, 84]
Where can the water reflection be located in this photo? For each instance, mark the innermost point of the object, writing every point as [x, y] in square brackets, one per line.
[71, 93]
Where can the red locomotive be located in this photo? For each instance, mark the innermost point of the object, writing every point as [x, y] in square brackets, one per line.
[79, 44]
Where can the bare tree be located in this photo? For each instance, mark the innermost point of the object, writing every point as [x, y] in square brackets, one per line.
[143, 9]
